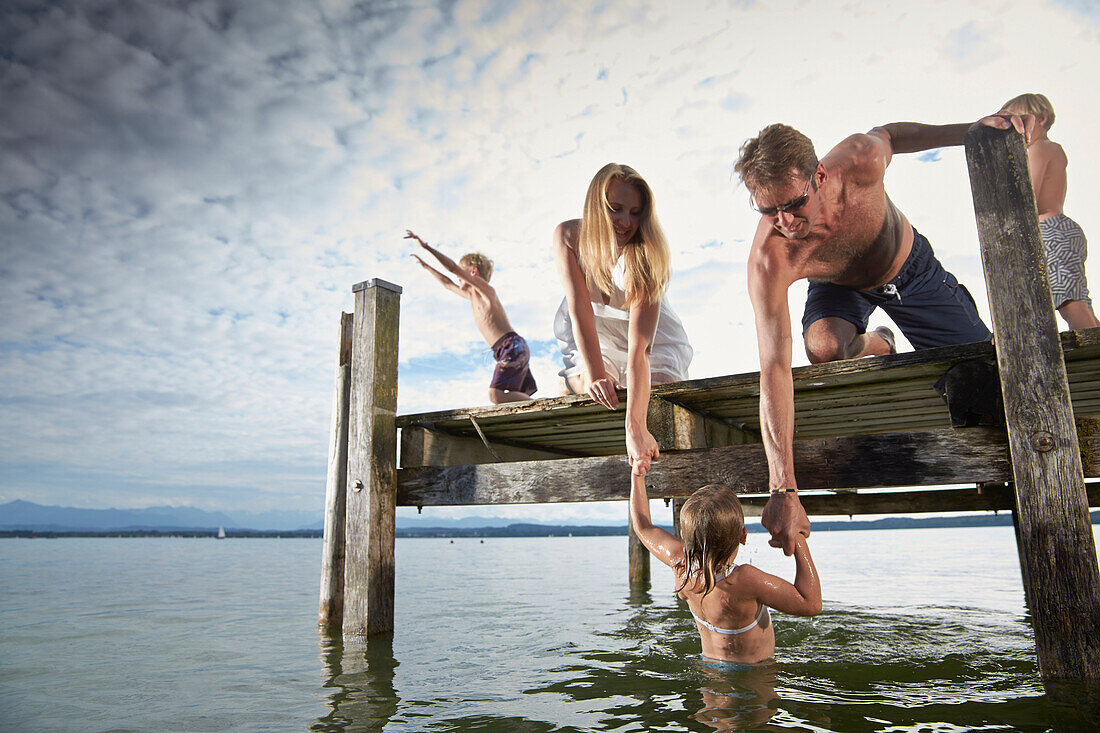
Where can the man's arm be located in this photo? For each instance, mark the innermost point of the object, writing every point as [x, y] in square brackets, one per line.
[768, 294]
[769, 282]
[914, 137]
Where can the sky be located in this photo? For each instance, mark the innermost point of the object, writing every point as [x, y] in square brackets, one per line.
[189, 191]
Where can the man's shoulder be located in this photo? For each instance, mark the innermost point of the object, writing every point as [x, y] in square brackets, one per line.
[857, 151]
[770, 257]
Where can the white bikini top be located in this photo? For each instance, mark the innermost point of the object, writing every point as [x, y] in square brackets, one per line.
[729, 632]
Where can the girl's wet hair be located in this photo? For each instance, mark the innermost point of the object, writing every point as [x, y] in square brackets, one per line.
[711, 525]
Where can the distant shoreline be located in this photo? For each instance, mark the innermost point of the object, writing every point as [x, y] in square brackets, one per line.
[523, 530]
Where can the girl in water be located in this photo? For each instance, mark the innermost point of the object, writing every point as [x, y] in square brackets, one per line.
[729, 601]
[613, 324]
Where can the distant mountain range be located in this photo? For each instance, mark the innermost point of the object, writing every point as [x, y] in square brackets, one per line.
[26, 515]
[22, 515]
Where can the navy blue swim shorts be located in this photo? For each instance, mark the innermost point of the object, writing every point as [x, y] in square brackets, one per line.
[925, 301]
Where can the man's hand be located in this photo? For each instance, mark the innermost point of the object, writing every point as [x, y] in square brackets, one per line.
[785, 518]
[639, 468]
[1024, 124]
[603, 391]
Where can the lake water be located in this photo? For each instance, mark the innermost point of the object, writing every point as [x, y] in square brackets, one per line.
[923, 630]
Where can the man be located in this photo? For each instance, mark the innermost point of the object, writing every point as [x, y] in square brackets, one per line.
[830, 221]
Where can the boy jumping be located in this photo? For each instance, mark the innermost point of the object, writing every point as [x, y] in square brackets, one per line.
[512, 379]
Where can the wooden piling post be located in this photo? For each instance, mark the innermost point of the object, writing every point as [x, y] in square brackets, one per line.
[638, 559]
[331, 608]
[1059, 555]
[372, 461]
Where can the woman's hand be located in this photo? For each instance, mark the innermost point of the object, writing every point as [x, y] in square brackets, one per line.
[641, 446]
[603, 391]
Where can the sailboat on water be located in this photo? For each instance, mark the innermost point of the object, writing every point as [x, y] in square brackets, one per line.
[221, 532]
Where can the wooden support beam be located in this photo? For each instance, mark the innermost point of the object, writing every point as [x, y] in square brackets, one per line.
[990, 497]
[330, 612]
[372, 461]
[1059, 553]
[422, 446]
[930, 458]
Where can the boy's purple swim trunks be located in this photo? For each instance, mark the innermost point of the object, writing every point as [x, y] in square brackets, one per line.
[513, 372]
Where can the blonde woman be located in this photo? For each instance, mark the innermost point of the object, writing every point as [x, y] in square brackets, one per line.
[614, 326]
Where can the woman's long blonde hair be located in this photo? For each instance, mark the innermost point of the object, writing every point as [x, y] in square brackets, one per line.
[711, 524]
[646, 257]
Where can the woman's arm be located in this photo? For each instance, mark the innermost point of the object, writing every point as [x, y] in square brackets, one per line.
[599, 386]
[664, 545]
[640, 444]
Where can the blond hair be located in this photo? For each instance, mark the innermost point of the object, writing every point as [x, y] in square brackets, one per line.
[483, 264]
[646, 258]
[1031, 104]
[711, 524]
[765, 161]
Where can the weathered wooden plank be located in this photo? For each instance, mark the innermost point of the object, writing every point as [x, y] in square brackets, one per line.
[422, 447]
[1059, 553]
[330, 611]
[372, 461]
[930, 458]
[1079, 346]
[989, 497]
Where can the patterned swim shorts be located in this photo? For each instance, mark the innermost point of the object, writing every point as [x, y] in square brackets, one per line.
[1066, 249]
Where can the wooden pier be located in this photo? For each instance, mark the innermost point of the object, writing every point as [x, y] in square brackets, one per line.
[1017, 424]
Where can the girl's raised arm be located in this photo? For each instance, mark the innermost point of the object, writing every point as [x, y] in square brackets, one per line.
[663, 545]
[803, 598]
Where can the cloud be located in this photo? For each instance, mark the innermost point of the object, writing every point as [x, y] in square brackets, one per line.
[188, 193]
[969, 46]
[1087, 9]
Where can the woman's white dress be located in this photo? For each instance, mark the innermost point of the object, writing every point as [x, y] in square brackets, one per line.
[670, 353]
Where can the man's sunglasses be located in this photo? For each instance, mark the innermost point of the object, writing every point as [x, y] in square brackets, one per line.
[791, 206]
